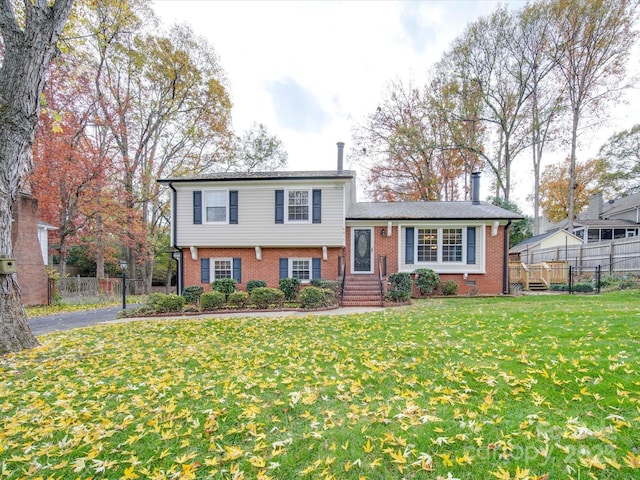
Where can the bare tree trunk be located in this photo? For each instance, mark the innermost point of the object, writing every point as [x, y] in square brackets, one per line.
[572, 171]
[27, 54]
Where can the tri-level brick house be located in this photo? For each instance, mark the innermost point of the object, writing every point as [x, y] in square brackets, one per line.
[271, 225]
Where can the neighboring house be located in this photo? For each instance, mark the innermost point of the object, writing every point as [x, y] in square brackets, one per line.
[27, 237]
[613, 220]
[272, 225]
[525, 250]
[43, 239]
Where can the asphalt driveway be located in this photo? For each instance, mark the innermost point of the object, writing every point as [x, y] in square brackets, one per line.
[70, 320]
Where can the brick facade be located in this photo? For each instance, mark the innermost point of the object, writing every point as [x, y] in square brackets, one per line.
[32, 275]
[489, 283]
[266, 269]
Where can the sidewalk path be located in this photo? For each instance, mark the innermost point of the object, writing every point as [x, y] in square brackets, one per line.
[69, 320]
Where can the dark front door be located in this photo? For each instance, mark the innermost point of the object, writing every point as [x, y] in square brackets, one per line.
[362, 250]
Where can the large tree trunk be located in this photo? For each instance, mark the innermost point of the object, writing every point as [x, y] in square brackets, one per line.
[27, 54]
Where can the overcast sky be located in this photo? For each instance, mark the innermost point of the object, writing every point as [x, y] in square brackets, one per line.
[308, 70]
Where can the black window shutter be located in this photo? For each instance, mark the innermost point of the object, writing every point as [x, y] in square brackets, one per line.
[237, 270]
[471, 245]
[316, 268]
[409, 241]
[317, 206]
[279, 206]
[284, 267]
[204, 270]
[197, 207]
[233, 206]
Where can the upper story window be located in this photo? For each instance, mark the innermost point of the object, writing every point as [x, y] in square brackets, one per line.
[216, 206]
[298, 205]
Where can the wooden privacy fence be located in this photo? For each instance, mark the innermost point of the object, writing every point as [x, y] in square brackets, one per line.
[86, 289]
[617, 256]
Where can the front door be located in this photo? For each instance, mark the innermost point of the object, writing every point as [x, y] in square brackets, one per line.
[362, 250]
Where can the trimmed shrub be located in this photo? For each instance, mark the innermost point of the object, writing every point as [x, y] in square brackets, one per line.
[449, 288]
[290, 287]
[238, 299]
[251, 284]
[224, 285]
[192, 294]
[397, 296]
[212, 300]
[583, 287]
[334, 285]
[400, 281]
[559, 287]
[161, 303]
[263, 297]
[314, 297]
[426, 280]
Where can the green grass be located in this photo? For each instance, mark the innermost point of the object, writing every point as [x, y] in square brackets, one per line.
[541, 387]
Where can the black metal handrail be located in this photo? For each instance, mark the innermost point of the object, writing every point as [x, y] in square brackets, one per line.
[342, 270]
[382, 271]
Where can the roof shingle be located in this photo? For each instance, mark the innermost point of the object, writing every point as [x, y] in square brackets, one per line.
[428, 211]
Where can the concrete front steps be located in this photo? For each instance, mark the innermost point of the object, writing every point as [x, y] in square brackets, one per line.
[362, 291]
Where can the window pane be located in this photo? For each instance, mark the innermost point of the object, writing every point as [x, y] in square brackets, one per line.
[216, 206]
[594, 235]
[216, 214]
[452, 245]
[427, 245]
[298, 205]
[300, 269]
[221, 269]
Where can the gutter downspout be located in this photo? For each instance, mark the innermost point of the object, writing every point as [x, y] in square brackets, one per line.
[174, 221]
[505, 260]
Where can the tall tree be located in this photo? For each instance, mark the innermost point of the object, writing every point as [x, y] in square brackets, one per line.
[593, 40]
[490, 54]
[166, 105]
[69, 168]
[546, 103]
[554, 186]
[401, 143]
[29, 43]
[621, 154]
[256, 149]
[457, 106]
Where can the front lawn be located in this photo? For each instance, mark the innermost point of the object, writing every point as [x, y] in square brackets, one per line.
[541, 387]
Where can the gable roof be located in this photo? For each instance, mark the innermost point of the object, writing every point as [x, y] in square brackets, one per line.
[428, 211]
[621, 204]
[537, 239]
[283, 175]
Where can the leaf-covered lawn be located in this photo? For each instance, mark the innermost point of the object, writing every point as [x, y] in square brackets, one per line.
[527, 388]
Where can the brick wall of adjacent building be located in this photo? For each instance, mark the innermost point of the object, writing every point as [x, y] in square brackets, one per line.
[267, 269]
[32, 275]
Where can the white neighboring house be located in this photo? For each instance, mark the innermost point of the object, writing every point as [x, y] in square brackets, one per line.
[605, 221]
[43, 239]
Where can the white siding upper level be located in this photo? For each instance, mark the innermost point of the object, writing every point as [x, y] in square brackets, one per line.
[256, 213]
